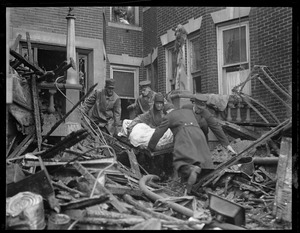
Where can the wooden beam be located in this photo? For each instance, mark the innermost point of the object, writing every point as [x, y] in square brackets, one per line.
[114, 201]
[22, 146]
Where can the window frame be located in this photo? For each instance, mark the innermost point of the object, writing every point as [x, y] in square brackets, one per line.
[136, 17]
[192, 73]
[168, 49]
[220, 31]
[220, 50]
[123, 68]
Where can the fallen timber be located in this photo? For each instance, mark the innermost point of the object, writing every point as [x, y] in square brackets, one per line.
[210, 177]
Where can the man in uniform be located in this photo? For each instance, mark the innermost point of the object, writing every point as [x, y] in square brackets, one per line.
[145, 101]
[191, 152]
[153, 116]
[106, 112]
[207, 121]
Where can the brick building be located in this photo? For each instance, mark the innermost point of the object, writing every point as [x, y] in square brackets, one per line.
[131, 44]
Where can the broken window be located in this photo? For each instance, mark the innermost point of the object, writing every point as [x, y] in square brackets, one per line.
[125, 15]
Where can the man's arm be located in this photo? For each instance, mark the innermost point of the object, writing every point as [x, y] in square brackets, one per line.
[158, 133]
[89, 102]
[215, 127]
[143, 118]
[117, 112]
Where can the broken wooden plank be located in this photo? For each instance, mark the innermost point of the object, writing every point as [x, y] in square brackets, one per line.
[34, 162]
[36, 112]
[35, 97]
[283, 197]
[237, 131]
[114, 201]
[70, 140]
[61, 185]
[121, 190]
[10, 145]
[53, 202]
[134, 164]
[22, 146]
[36, 183]
[15, 45]
[85, 202]
[33, 67]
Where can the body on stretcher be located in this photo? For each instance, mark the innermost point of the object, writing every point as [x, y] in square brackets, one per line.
[140, 136]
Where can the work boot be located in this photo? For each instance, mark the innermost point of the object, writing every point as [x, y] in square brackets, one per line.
[194, 172]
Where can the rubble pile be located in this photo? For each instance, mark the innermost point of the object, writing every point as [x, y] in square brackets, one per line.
[89, 180]
[86, 187]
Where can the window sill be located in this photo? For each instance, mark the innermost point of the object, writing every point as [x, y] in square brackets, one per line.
[124, 26]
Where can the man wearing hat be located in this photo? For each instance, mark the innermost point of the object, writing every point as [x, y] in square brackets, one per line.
[106, 112]
[145, 101]
[191, 152]
[153, 116]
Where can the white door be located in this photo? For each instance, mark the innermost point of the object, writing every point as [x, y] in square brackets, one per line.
[233, 57]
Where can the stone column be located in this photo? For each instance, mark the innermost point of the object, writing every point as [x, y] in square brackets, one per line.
[73, 120]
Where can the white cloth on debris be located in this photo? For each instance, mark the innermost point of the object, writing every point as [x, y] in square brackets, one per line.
[141, 134]
[218, 101]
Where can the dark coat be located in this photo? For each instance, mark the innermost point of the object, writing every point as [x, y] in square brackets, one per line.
[106, 110]
[206, 120]
[144, 104]
[190, 146]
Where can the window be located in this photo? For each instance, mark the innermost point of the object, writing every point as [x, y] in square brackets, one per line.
[171, 61]
[151, 73]
[194, 52]
[126, 81]
[125, 15]
[234, 45]
[233, 57]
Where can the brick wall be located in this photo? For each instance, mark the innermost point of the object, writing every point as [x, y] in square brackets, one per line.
[53, 19]
[122, 41]
[149, 36]
[170, 17]
[271, 45]
[149, 30]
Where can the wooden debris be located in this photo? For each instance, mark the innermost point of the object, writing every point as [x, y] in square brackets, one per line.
[150, 224]
[114, 201]
[283, 197]
[62, 186]
[207, 179]
[85, 202]
[121, 190]
[134, 164]
[70, 140]
[22, 146]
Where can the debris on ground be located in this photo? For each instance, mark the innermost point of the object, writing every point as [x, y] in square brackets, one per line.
[89, 180]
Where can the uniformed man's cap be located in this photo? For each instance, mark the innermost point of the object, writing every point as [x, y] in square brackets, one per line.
[110, 83]
[145, 83]
[200, 99]
[168, 106]
[158, 97]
